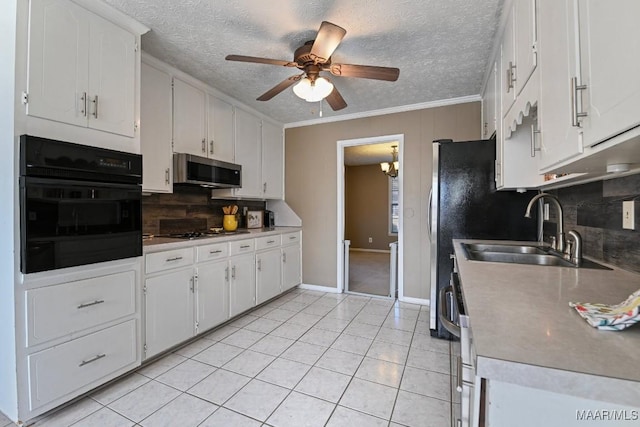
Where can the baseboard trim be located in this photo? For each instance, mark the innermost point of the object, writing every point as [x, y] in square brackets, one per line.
[319, 288]
[420, 301]
[383, 251]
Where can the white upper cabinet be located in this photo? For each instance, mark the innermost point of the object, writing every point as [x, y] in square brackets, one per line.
[58, 62]
[489, 105]
[272, 161]
[189, 118]
[81, 68]
[155, 130]
[248, 153]
[610, 66]
[525, 41]
[111, 78]
[220, 129]
[508, 59]
[559, 135]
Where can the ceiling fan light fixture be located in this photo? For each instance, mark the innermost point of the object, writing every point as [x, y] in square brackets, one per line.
[313, 91]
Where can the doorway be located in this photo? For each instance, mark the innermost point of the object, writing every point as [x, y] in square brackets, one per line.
[369, 222]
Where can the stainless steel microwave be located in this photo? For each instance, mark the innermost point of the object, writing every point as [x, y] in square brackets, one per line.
[190, 169]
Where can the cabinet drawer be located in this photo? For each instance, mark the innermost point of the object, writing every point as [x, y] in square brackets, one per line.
[291, 238]
[59, 310]
[242, 246]
[168, 259]
[214, 251]
[268, 242]
[63, 369]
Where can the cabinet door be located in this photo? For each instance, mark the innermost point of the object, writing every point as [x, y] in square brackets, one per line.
[272, 161]
[212, 295]
[526, 41]
[155, 130]
[559, 140]
[168, 310]
[58, 61]
[509, 70]
[243, 283]
[112, 70]
[188, 119]
[248, 153]
[489, 105]
[220, 129]
[610, 65]
[291, 267]
[268, 275]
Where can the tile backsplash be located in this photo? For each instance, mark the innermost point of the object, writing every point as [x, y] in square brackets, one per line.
[188, 209]
[595, 211]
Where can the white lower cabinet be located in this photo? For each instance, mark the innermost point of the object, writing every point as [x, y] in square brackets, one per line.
[291, 266]
[168, 310]
[60, 370]
[189, 290]
[242, 288]
[212, 294]
[268, 275]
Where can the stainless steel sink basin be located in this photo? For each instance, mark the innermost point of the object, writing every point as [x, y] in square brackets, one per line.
[522, 254]
[505, 248]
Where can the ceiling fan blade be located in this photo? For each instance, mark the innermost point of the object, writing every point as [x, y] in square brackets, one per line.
[335, 100]
[364, 71]
[279, 87]
[327, 40]
[242, 58]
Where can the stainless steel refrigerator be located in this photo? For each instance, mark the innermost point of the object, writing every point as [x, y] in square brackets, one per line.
[464, 204]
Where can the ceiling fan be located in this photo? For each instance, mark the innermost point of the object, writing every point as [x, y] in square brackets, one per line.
[314, 57]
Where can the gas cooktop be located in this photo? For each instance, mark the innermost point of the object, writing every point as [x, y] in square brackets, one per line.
[202, 234]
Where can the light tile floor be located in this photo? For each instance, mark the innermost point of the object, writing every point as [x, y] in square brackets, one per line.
[305, 359]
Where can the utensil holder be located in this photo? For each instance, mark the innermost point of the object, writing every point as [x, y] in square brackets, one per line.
[229, 223]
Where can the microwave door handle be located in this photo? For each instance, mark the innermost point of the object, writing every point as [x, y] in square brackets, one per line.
[443, 308]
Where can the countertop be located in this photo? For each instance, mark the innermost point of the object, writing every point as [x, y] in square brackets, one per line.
[524, 331]
[157, 244]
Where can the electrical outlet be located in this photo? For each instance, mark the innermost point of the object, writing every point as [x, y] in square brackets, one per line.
[545, 210]
[628, 215]
[370, 239]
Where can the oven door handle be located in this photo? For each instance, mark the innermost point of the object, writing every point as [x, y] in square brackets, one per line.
[444, 312]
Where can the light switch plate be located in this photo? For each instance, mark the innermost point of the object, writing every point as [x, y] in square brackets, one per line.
[628, 215]
[546, 212]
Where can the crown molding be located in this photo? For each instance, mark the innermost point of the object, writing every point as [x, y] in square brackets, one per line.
[385, 111]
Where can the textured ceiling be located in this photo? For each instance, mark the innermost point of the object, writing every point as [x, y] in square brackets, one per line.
[369, 154]
[440, 46]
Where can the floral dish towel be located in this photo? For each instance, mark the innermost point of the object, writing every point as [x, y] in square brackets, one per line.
[611, 317]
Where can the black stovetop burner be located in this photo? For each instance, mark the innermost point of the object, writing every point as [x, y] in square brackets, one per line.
[202, 234]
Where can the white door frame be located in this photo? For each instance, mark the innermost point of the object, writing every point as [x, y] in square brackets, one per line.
[341, 204]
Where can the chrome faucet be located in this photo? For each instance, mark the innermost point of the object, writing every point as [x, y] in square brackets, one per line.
[559, 242]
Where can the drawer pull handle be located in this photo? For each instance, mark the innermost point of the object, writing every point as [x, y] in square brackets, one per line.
[270, 241]
[93, 359]
[215, 252]
[292, 237]
[89, 304]
[177, 258]
[245, 246]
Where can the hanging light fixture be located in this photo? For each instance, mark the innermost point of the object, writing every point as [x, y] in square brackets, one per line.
[313, 90]
[393, 167]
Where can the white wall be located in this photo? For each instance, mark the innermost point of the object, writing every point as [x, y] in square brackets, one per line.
[8, 217]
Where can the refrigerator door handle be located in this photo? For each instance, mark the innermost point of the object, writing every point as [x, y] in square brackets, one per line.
[430, 211]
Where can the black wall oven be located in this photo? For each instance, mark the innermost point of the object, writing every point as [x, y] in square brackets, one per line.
[78, 204]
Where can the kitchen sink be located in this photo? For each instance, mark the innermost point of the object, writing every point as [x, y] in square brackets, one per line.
[504, 248]
[522, 254]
